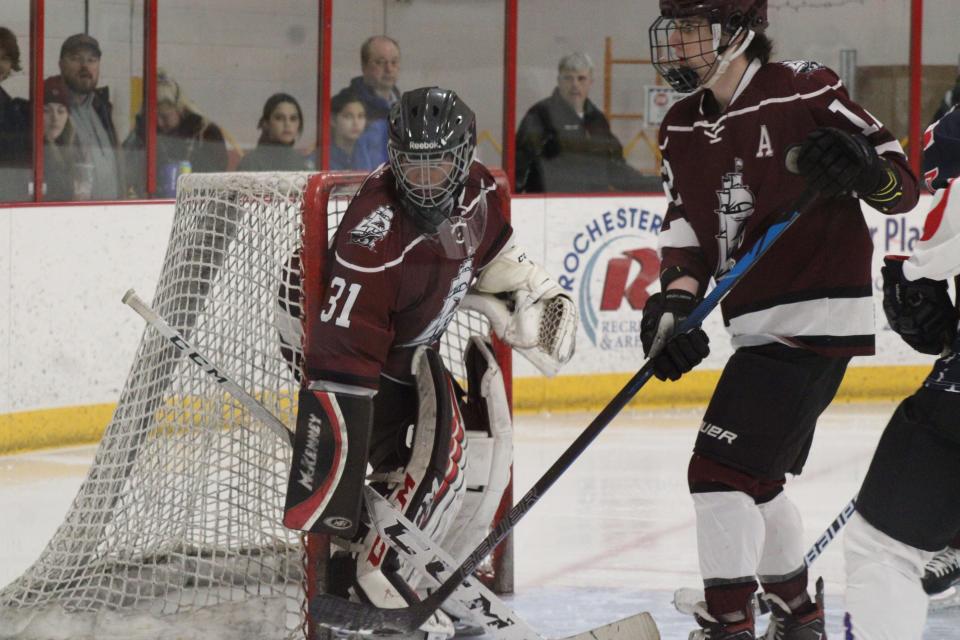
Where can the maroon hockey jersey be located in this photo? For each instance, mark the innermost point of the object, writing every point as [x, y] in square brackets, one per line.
[725, 181]
[387, 291]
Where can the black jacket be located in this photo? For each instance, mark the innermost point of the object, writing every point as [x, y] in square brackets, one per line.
[15, 148]
[273, 157]
[557, 151]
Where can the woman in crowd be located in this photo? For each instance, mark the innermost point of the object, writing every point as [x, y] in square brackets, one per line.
[63, 173]
[280, 127]
[348, 121]
[184, 135]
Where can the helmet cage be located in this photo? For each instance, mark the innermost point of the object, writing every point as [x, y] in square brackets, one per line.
[414, 172]
[713, 54]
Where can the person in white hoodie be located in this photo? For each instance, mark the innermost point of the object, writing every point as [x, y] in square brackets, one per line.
[909, 505]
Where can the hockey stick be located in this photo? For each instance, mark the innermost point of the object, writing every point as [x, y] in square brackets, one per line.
[831, 532]
[474, 601]
[338, 614]
[131, 299]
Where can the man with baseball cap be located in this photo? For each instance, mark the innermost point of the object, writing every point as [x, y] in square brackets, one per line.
[92, 113]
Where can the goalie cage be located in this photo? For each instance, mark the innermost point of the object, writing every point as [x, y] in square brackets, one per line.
[176, 531]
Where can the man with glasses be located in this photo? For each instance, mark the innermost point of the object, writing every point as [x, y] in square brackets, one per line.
[377, 90]
[99, 174]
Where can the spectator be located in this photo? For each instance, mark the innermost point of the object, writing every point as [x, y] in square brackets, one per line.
[183, 135]
[92, 114]
[60, 161]
[377, 89]
[15, 144]
[280, 126]
[564, 142]
[348, 120]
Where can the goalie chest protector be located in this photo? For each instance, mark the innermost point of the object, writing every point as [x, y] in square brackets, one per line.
[386, 289]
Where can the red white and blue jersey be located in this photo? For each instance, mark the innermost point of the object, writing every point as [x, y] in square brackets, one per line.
[388, 291]
[725, 180]
[937, 254]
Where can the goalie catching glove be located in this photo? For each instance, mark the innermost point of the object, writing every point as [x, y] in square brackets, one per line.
[673, 354]
[527, 309]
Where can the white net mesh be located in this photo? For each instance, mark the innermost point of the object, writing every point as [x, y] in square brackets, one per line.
[176, 530]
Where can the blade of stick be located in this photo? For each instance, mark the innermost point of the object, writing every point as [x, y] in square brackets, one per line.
[637, 627]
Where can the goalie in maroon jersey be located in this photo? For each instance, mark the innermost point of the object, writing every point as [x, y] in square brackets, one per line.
[424, 236]
[795, 320]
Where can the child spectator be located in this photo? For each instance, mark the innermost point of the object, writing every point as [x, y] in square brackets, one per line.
[280, 127]
[348, 121]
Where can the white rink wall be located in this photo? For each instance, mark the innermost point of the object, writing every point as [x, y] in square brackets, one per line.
[66, 340]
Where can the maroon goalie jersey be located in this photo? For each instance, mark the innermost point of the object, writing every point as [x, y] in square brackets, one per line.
[725, 181]
[387, 289]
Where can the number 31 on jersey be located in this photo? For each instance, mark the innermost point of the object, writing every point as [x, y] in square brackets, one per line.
[337, 286]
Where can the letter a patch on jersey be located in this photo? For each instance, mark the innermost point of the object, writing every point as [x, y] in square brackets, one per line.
[373, 228]
[765, 148]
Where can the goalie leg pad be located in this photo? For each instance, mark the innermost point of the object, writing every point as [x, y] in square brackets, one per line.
[428, 490]
[490, 432]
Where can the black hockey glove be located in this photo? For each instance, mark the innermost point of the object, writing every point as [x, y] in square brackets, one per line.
[673, 354]
[834, 162]
[919, 310]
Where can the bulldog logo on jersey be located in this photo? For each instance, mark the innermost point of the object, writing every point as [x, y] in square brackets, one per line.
[736, 205]
[373, 228]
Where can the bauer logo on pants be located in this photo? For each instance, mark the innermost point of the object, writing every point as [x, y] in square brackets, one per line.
[721, 434]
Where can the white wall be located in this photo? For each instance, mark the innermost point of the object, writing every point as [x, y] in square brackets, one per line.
[66, 339]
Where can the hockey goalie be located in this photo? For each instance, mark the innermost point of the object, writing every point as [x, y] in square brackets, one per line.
[423, 237]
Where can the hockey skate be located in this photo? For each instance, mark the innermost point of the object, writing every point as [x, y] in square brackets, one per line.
[805, 624]
[942, 572]
[710, 627]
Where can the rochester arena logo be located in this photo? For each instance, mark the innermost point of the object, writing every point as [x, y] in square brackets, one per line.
[609, 267]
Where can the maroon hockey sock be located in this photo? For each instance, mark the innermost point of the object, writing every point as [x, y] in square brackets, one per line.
[955, 543]
[732, 602]
[793, 591]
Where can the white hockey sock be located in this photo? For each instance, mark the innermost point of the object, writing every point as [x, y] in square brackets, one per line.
[729, 535]
[884, 598]
[782, 555]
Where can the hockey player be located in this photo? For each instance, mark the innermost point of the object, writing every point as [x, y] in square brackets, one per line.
[795, 319]
[909, 505]
[424, 232]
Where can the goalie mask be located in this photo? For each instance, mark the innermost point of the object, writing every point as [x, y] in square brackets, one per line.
[433, 137]
[693, 41]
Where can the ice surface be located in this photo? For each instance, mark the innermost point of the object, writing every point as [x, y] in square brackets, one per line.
[613, 537]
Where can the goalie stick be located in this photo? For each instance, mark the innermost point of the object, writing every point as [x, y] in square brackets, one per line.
[416, 547]
[339, 614]
[473, 600]
[131, 299]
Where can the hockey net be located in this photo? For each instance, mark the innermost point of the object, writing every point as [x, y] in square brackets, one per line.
[176, 531]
